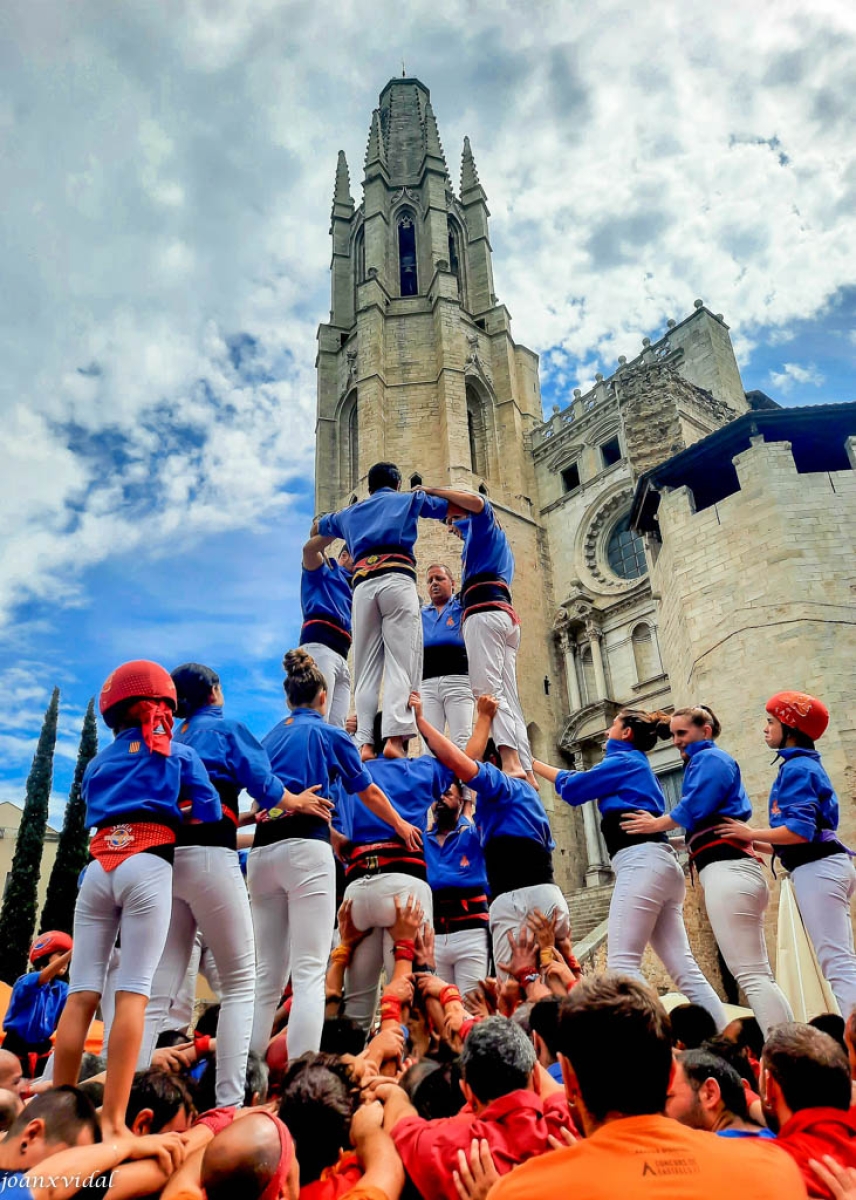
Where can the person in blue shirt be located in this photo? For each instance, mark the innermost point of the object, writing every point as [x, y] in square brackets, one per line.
[37, 1001]
[134, 790]
[208, 890]
[446, 693]
[647, 905]
[735, 890]
[291, 876]
[326, 597]
[380, 533]
[458, 879]
[513, 829]
[491, 626]
[803, 813]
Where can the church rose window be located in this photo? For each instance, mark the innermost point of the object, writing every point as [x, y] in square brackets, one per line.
[625, 552]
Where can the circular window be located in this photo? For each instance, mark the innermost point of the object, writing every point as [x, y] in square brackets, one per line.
[625, 552]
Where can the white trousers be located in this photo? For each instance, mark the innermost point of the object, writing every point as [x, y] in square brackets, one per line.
[492, 640]
[824, 890]
[509, 911]
[209, 895]
[293, 894]
[387, 623]
[736, 896]
[648, 907]
[373, 899]
[448, 700]
[462, 957]
[182, 1004]
[134, 900]
[335, 670]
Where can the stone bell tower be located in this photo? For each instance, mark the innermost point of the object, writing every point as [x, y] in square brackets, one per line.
[417, 365]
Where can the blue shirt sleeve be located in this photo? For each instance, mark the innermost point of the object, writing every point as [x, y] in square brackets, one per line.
[432, 506]
[252, 768]
[354, 774]
[330, 526]
[796, 802]
[198, 788]
[489, 783]
[578, 787]
[706, 783]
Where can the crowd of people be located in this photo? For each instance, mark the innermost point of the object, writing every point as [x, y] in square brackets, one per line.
[399, 1009]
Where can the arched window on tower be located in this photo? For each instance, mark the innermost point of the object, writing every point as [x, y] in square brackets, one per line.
[645, 654]
[349, 428]
[477, 432]
[359, 263]
[407, 254]
[456, 258]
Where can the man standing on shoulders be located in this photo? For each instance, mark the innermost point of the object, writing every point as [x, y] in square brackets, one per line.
[446, 693]
[325, 601]
[380, 533]
[616, 1053]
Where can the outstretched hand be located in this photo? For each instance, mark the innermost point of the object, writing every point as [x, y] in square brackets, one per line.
[523, 960]
[415, 704]
[487, 706]
[475, 1176]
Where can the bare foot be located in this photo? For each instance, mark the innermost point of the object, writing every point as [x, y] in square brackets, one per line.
[367, 753]
[394, 748]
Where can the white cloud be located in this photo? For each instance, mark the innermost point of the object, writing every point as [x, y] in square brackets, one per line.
[168, 172]
[792, 374]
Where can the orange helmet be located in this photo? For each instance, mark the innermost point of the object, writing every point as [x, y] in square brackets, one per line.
[800, 711]
[52, 942]
[137, 680]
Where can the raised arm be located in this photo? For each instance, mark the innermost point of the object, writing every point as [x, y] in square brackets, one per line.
[486, 709]
[444, 750]
[377, 802]
[55, 968]
[467, 501]
[313, 550]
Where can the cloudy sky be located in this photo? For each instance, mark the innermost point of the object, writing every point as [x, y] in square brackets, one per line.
[166, 171]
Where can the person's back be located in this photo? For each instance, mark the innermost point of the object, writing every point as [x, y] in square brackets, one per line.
[615, 1039]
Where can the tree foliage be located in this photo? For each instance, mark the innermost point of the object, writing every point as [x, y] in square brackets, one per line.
[18, 914]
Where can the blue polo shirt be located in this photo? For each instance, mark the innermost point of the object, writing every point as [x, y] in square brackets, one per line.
[508, 807]
[712, 788]
[386, 518]
[621, 782]
[127, 778]
[35, 1008]
[486, 550]
[233, 758]
[304, 750]
[802, 797]
[443, 641]
[326, 593]
[410, 784]
[459, 861]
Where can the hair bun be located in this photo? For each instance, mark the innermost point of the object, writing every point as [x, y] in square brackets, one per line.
[298, 662]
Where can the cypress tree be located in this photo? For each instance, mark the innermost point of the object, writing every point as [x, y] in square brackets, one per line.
[72, 853]
[18, 915]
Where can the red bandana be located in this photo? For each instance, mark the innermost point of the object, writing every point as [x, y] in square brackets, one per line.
[155, 717]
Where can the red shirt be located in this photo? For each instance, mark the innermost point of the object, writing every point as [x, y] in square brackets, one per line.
[515, 1127]
[335, 1181]
[813, 1132]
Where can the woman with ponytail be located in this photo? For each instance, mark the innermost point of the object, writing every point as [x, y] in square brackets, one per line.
[803, 832]
[208, 889]
[135, 791]
[647, 903]
[735, 891]
[291, 874]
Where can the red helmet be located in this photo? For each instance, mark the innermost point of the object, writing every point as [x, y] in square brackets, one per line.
[138, 680]
[800, 711]
[52, 942]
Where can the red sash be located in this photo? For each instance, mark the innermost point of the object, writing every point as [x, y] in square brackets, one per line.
[114, 843]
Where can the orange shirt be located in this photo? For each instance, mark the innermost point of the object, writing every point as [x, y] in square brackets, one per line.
[655, 1158]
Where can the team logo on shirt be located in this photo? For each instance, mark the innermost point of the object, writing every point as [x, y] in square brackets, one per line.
[134, 747]
[775, 811]
[450, 622]
[465, 862]
[288, 721]
[184, 727]
[119, 837]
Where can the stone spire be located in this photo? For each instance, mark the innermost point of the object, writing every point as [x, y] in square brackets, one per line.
[375, 150]
[343, 203]
[433, 145]
[469, 174]
[403, 103]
